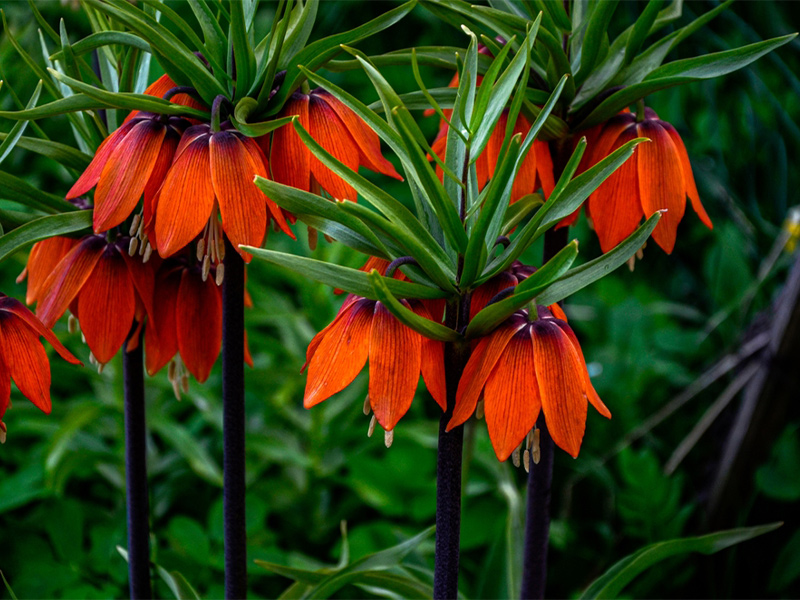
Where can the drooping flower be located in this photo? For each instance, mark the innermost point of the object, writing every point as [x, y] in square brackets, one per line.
[130, 162]
[185, 329]
[211, 177]
[104, 288]
[22, 357]
[523, 367]
[658, 176]
[338, 130]
[397, 355]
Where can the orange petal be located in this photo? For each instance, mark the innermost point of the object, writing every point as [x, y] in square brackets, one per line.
[479, 366]
[544, 167]
[91, 175]
[42, 261]
[257, 157]
[511, 396]
[160, 335]
[26, 361]
[589, 390]
[289, 158]
[5, 389]
[365, 138]
[15, 307]
[199, 323]
[164, 159]
[327, 129]
[67, 279]
[558, 371]
[144, 280]
[340, 354]
[688, 177]
[395, 354]
[126, 174]
[614, 206]
[315, 342]
[483, 294]
[558, 312]
[432, 363]
[241, 204]
[186, 199]
[661, 182]
[106, 306]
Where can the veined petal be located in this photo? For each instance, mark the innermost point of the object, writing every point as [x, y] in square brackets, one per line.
[661, 183]
[199, 323]
[340, 354]
[479, 366]
[91, 175]
[106, 306]
[163, 161]
[67, 279]
[42, 261]
[5, 387]
[289, 158]
[258, 158]
[558, 371]
[26, 360]
[432, 361]
[544, 167]
[144, 280]
[591, 393]
[614, 207]
[126, 174]
[511, 396]
[483, 294]
[160, 87]
[329, 131]
[186, 199]
[394, 367]
[315, 342]
[160, 335]
[15, 307]
[367, 140]
[688, 177]
[241, 204]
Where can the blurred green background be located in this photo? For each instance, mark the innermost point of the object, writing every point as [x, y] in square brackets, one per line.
[647, 335]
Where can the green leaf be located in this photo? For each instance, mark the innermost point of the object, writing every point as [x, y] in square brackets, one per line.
[613, 581]
[101, 39]
[242, 50]
[243, 109]
[428, 328]
[177, 584]
[351, 280]
[189, 448]
[641, 29]
[318, 53]
[593, 270]
[11, 138]
[423, 247]
[432, 56]
[494, 314]
[216, 44]
[131, 101]
[8, 587]
[18, 190]
[62, 153]
[682, 71]
[380, 560]
[596, 31]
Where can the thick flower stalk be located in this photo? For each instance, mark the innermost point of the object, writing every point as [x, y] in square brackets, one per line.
[338, 130]
[23, 358]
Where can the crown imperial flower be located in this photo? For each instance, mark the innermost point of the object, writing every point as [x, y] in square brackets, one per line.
[523, 367]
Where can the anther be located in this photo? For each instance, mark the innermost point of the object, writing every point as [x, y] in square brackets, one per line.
[185, 383]
[201, 249]
[536, 451]
[72, 324]
[515, 456]
[220, 275]
[221, 249]
[134, 224]
[526, 460]
[388, 438]
[313, 236]
[371, 429]
[171, 370]
[100, 367]
[176, 389]
[132, 246]
[367, 408]
[142, 246]
[83, 338]
[148, 250]
[92, 359]
[206, 267]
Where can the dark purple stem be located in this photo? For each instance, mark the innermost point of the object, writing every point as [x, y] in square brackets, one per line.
[233, 490]
[137, 497]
